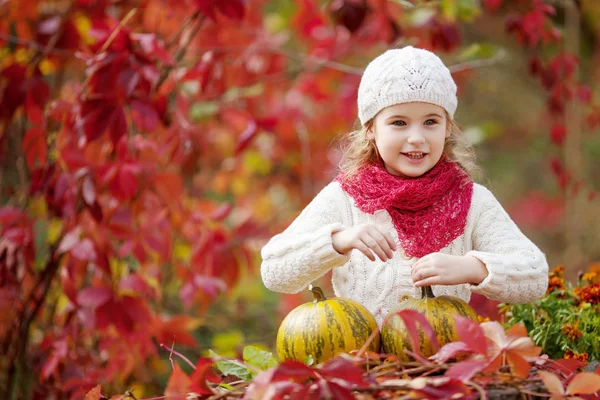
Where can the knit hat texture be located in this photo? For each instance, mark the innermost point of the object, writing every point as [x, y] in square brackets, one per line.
[402, 76]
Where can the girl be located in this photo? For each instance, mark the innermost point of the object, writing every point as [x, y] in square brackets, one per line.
[403, 212]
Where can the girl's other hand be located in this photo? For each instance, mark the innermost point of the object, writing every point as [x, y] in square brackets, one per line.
[370, 239]
[446, 269]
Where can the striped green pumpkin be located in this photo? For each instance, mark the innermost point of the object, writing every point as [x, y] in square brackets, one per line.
[439, 312]
[324, 328]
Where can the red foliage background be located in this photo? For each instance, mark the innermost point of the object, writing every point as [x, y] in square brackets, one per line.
[132, 133]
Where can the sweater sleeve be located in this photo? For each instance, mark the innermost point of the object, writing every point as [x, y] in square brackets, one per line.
[517, 269]
[304, 252]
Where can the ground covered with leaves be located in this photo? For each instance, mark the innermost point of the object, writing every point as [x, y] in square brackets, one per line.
[487, 362]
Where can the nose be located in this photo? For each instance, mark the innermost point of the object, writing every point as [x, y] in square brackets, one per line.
[415, 136]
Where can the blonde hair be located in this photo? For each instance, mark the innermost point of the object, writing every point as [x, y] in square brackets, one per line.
[358, 150]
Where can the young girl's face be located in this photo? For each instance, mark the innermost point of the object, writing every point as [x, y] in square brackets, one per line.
[410, 137]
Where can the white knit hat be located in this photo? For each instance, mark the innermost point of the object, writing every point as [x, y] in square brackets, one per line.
[405, 75]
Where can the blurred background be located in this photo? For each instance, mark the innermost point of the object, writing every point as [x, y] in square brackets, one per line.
[150, 148]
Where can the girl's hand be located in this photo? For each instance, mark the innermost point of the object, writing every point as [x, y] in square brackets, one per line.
[446, 269]
[368, 238]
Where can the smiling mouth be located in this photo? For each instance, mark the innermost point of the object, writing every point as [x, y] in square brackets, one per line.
[415, 156]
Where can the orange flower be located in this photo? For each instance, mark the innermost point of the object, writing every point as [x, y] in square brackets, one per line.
[481, 319]
[595, 267]
[572, 332]
[555, 283]
[588, 294]
[579, 356]
[591, 277]
[559, 270]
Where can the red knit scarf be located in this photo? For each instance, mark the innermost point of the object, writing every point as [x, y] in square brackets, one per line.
[428, 212]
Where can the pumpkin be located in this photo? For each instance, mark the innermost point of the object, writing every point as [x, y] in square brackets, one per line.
[438, 311]
[324, 328]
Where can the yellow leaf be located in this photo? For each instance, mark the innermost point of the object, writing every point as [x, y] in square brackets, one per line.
[83, 25]
[55, 227]
[182, 251]
[37, 207]
[225, 344]
[255, 163]
[47, 67]
[240, 186]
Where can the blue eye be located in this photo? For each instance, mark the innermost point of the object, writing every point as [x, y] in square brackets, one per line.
[431, 122]
[399, 123]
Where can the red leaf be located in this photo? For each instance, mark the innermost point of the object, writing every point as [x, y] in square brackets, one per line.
[566, 366]
[443, 388]
[222, 212]
[471, 333]
[552, 382]
[88, 190]
[175, 329]
[585, 94]
[410, 317]
[345, 370]
[59, 353]
[538, 211]
[100, 116]
[233, 9]
[69, 241]
[339, 392]
[198, 378]
[558, 134]
[35, 148]
[10, 215]
[464, 370]
[349, 13]
[128, 185]
[294, 371]
[178, 385]
[101, 261]
[136, 284]
[206, 7]
[492, 5]
[153, 47]
[94, 296]
[49, 26]
[94, 394]
[450, 350]
[13, 95]
[246, 137]
[84, 250]
[37, 94]
[519, 365]
[169, 187]
[584, 383]
[144, 115]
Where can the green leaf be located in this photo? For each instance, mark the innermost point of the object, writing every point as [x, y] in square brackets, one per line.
[231, 367]
[309, 360]
[261, 359]
[203, 110]
[465, 10]
[478, 51]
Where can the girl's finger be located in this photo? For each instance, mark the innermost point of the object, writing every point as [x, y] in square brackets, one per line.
[386, 235]
[422, 274]
[374, 246]
[363, 248]
[434, 280]
[382, 242]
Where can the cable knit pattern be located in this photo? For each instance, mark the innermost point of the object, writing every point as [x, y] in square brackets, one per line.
[304, 252]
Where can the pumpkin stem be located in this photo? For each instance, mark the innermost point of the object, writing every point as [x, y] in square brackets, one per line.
[427, 292]
[317, 293]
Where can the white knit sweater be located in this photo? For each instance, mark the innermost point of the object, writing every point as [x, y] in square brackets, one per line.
[517, 269]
